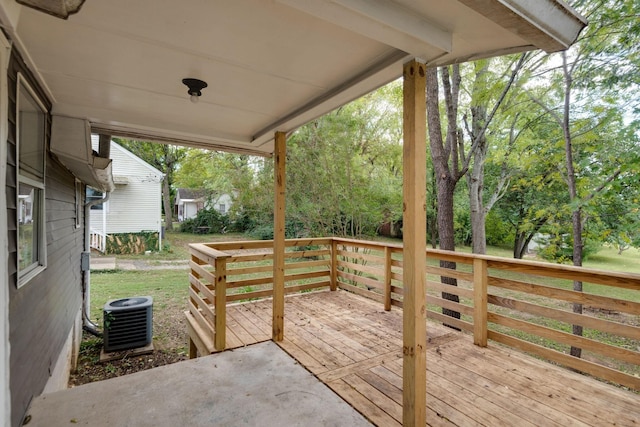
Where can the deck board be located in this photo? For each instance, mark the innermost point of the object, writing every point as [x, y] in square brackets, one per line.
[355, 347]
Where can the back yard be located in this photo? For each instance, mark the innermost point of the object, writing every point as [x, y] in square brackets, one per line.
[162, 277]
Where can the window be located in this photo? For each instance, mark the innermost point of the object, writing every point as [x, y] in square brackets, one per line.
[31, 122]
[94, 195]
[222, 208]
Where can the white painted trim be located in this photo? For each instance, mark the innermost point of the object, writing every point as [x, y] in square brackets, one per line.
[5, 392]
[24, 276]
[115, 145]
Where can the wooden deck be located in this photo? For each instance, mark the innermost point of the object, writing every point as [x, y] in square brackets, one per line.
[355, 348]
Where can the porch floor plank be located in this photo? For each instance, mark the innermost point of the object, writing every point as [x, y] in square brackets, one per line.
[355, 347]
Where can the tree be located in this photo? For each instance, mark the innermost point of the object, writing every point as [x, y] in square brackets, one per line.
[451, 162]
[584, 100]
[166, 159]
[482, 95]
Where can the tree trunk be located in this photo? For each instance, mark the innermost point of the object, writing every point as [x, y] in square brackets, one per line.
[475, 181]
[576, 215]
[166, 201]
[445, 182]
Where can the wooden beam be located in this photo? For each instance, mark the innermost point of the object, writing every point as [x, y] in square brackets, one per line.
[415, 245]
[279, 158]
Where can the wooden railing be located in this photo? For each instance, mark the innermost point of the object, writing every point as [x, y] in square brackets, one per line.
[228, 272]
[522, 304]
[97, 240]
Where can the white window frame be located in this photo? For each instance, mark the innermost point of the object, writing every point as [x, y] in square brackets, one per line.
[28, 273]
[79, 204]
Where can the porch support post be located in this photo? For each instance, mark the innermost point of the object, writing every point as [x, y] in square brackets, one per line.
[279, 156]
[415, 231]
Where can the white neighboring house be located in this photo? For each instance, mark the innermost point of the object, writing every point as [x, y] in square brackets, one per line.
[189, 201]
[135, 204]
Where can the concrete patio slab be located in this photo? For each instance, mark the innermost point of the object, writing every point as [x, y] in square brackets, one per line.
[250, 386]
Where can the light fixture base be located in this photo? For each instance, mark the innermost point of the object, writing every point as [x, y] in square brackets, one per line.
[195, 87]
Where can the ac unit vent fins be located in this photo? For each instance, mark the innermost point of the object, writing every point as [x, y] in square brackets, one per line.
[128, 323]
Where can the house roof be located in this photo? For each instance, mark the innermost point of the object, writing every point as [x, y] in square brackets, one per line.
[189, 194]
[269, 65]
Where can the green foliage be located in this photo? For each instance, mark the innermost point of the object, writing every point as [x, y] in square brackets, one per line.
[498, 231]
[207, 221]
[292, 230]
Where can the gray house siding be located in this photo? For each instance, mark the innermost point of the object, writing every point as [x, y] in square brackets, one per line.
[42, 312]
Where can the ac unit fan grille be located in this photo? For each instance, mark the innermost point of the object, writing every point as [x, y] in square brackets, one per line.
[127, 325]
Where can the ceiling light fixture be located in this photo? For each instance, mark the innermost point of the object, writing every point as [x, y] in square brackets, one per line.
[195, 87]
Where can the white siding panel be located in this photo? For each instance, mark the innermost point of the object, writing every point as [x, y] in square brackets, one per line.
[135, 206]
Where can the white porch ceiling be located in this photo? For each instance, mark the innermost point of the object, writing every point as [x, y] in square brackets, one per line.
[270, 64]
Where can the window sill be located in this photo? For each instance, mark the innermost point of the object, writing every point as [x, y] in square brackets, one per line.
[26, 277]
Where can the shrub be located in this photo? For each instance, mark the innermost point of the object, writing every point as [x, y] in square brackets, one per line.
[216, 222]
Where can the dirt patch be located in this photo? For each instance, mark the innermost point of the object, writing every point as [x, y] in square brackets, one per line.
[170, 343]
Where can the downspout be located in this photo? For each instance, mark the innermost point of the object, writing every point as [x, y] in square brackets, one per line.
[87, 324]
[104, 151]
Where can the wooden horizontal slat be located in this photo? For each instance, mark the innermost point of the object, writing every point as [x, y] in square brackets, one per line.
[442, 255]
[582, 365]
[324, 263]
[250, 295]
[203, 308]
[373, 270]
[249, 270]
[567, 295]
[206, 253]
[455, 290]
[365, 244]
[203, 272]
[306, 287]
[365, 281]
[362, 292]
[246, 244]
[609, 278]
[451, 305]
[603, 325]
[308, 253]
[451, 321]
[249, 282]
[249, 258]
[566, 338]
[203, 342]
[375, 259]
[208, 294]
[448, 272]
[303, 276]
[197, 315]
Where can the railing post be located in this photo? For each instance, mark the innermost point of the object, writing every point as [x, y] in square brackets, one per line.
[480, 302]
[387, 278]
[279, 166]
[414, 184]
[334, 265]
[220, 277]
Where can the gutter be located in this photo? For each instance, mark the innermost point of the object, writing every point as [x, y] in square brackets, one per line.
[87, 324]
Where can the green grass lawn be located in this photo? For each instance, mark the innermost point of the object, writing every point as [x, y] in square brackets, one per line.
[608, 259]
[169, 288]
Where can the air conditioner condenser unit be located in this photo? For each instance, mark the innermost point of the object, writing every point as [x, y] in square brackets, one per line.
[128, 323]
